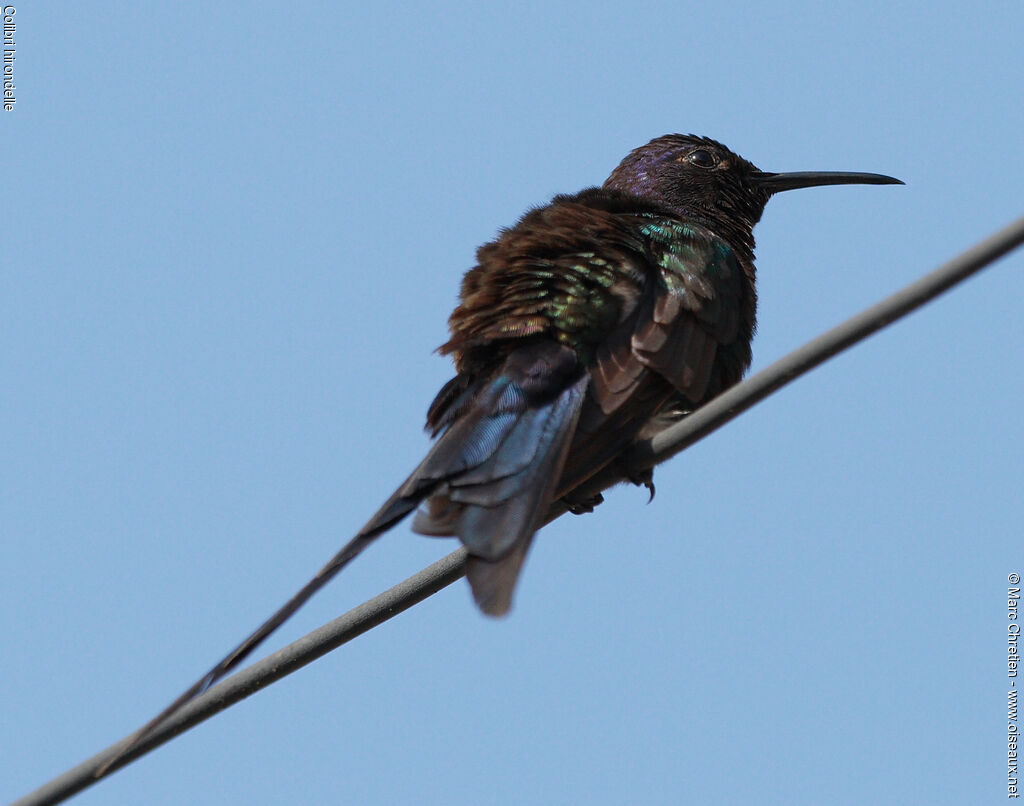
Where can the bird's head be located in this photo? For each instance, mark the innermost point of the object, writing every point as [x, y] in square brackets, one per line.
[699, 177]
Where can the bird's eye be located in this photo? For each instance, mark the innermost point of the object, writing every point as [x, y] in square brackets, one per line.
[703, 158]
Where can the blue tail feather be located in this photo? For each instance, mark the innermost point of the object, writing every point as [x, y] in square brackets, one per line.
[491, 476]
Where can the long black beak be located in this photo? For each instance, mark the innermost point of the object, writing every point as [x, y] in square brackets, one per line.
[776, 183]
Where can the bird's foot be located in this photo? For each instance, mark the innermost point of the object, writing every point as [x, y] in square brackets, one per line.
[583, 506]
[643, 478]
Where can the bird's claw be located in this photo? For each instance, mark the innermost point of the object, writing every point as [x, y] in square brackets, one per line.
[583, 506]
[645, 478]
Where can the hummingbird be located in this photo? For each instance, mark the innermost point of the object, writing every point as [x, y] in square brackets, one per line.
[587, 326]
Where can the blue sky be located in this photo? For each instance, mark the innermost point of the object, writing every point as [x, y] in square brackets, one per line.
[231, 237]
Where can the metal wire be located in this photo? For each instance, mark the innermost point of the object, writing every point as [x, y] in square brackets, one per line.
[445, 571]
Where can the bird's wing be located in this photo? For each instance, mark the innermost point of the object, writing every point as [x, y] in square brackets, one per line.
[679, 345]
[701, 302]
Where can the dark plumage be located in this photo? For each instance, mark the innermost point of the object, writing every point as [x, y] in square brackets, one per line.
[575, 330]
[580, 330]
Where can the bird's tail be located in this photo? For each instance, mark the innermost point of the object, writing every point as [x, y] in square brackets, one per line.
[491, 476]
